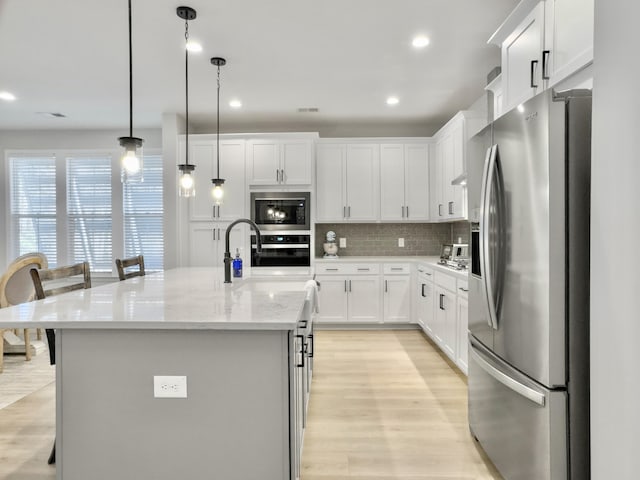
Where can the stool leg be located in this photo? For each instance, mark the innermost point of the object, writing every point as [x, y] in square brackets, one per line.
[27, 345]
[1, 349]
[39, 334]
[52, 455]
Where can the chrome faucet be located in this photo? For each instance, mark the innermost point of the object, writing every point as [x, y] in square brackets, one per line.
[227, 253]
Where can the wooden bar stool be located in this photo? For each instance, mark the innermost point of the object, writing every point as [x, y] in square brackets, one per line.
[122, 264]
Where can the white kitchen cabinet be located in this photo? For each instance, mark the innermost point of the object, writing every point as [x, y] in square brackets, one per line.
[363, 293]
[207, 244]
[404, 182]
[522, 59]
[445, 321]
[462, 307]
[333, 297]
[568, 38]
[449, 202]
[347, 182]
[279, 162]
[202, 154]
[424, 299]
[397, 298]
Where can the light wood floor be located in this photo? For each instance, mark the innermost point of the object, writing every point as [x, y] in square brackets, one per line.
[384, 405]
[387, 405]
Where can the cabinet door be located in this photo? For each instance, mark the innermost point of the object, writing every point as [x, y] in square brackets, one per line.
[463, 316]
[296, 162]
[397, 298]
[204, 245]
[446, 322]
[330, 205]
[568, 37]
[522, 59]
[457, 208]
[362, 171]
[364, 295]
[438, 208]
[232, 167]
[392, 178]
[202, 155]
[426, 307]
[332, 299]
[416, 191]
[263, 162]
[449, 167]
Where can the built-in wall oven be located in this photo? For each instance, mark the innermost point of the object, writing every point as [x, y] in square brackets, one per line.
[282, 250]
[281, 210]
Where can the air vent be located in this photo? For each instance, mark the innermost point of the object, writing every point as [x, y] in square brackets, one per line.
[52, 114]
[308, 110]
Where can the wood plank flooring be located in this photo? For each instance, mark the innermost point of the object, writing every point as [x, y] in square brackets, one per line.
[388, 405]
[385, 405]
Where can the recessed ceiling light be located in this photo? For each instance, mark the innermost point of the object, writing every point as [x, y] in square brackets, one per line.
[420, 41]
[235, 104]
[194, 47]
[9, 97]
[392, 101]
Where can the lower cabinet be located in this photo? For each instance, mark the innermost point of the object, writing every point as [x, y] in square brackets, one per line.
[462, 359]
[445, 321]
[349, 299]
[397, 298]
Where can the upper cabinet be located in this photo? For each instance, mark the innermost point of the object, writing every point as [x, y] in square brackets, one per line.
[568, 37]
[279, 161]
[202, 154]
[404, 182]
[448, 201]
[543, 42]
[347, 177]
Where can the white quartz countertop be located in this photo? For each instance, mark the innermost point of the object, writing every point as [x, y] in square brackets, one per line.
[183, 298]
[431, 261]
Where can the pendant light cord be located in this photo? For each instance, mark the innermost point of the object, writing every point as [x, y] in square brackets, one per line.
[186, 89]
[218, 125]
[130, 77]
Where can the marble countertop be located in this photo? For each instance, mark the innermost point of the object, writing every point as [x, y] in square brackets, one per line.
[183, 298]
[431, 261]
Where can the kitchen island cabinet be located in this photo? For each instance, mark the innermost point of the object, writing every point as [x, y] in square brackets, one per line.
[241, 348]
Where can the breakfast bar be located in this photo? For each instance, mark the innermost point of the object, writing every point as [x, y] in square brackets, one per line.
[178, 375]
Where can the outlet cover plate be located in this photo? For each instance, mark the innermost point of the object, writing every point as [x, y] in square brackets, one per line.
[343, 242]
[401, 242]
[169, 386]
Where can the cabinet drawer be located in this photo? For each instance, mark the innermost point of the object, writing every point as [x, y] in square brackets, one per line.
[348, 269]
[396, 268]
[424, 269]
[445, 281]
[463, 288]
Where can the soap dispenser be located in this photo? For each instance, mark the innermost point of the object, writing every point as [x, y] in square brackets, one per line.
[237, 265]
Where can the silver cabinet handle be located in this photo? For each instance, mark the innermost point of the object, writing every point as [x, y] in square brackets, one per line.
[281, 176]
[218, 234]
[213, 232]
[464, 289]
[277, 176]
[397, 269]
[386, 286]
[407, 207]
[218, 211]
[439, 209]
[349, 285]
[507, 381]
[349, 211]
[427, 273]
[450, 208]
[442, 302]
[345, 286]
[363, 269]
[213, 214]
[344, 212]
[331, 269]
[402, 208]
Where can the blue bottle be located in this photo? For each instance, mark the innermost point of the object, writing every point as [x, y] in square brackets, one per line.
[237, 265]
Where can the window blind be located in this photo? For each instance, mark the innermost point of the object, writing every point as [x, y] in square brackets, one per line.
[89, 212]
[143, 215]
[32, 198]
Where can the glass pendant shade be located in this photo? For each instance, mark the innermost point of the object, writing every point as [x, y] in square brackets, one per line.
[217, 191]
[131, 161]
[186, 181]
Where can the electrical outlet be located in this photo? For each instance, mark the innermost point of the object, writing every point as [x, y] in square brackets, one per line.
[169, 386]
[401, 242]
[343, 242]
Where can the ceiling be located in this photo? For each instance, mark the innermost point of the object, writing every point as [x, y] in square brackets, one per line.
[344, 57]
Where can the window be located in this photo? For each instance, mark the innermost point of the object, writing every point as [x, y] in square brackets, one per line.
[32, 185]
[143, 215]
[73, 208]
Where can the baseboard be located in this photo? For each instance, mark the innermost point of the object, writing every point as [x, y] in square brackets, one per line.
[365, 326]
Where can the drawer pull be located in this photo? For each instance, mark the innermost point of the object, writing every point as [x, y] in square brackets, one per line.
[464, 289]
[331, 269]
[397, 269]
[363, 269]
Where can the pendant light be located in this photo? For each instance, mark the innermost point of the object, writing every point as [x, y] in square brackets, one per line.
[186, 183]
[217, 191]
[131, 161]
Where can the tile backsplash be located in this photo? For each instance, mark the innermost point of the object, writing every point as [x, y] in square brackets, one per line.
[460, 230]
[381, 239]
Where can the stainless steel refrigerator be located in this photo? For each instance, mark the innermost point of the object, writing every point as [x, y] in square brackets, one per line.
[528, 191]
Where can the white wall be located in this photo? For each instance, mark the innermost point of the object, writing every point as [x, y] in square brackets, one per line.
[615, 230]
[57, 140]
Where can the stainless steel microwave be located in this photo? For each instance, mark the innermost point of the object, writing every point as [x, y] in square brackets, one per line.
[281, 210]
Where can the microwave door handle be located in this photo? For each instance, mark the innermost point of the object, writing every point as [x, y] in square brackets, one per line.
[487, 274]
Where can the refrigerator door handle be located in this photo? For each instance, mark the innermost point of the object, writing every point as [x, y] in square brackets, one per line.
[487, 274]
[524, 391]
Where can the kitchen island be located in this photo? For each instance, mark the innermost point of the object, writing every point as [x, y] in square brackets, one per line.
[239, 347]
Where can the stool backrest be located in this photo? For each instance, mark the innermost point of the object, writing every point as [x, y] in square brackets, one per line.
[40, 277]
[122, 264]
